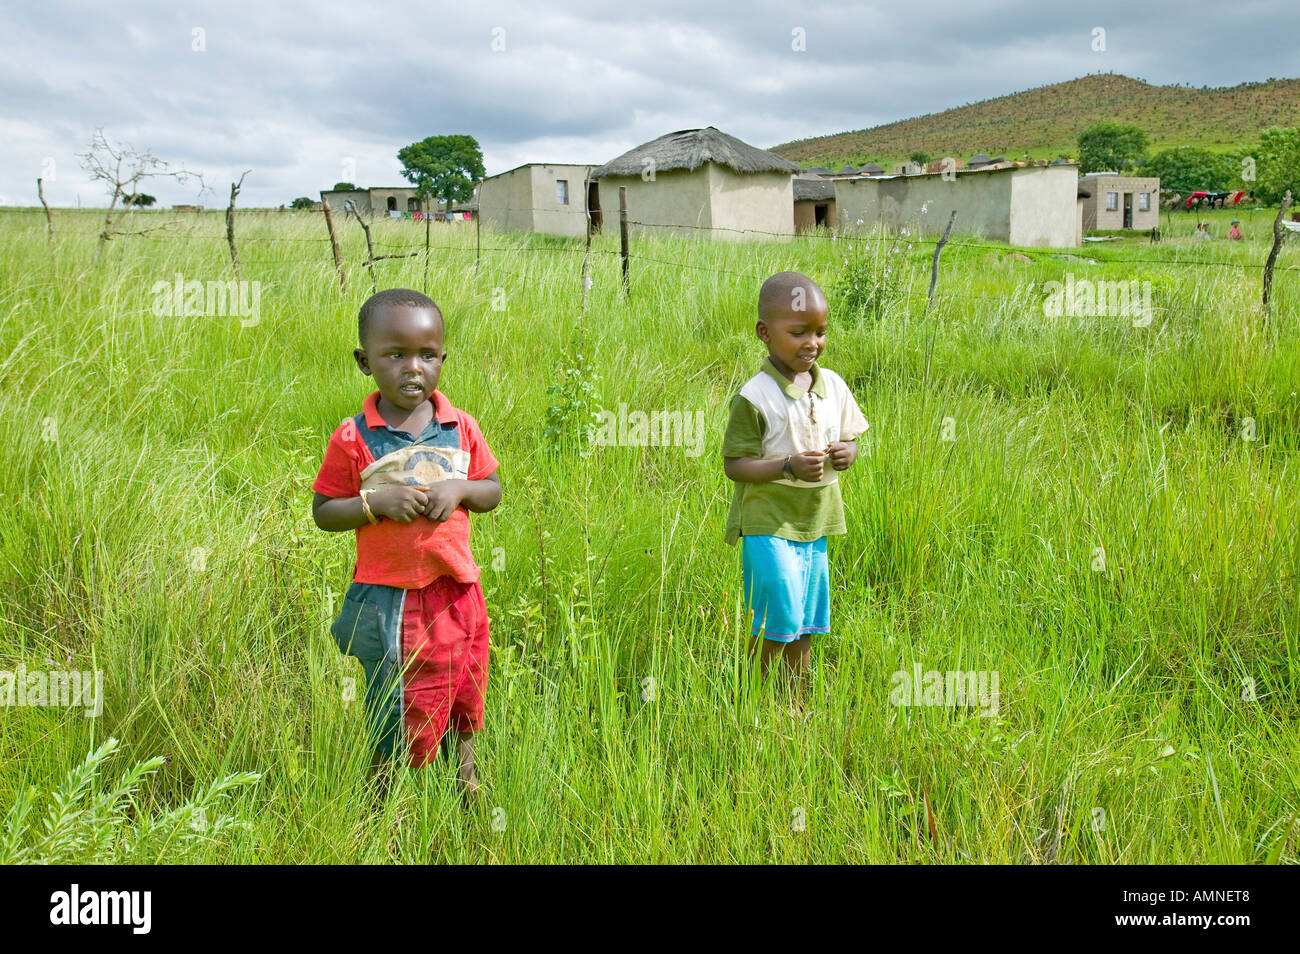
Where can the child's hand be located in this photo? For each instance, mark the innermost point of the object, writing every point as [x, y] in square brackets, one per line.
[402, 504]
[842, 454]
[808, 465]
[443, 499]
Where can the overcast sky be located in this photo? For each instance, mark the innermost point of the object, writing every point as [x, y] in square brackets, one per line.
[307, 94]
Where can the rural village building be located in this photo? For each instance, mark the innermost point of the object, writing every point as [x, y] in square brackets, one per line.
[1120, 202]
[377, 200]
[814, 203]
[694, 180]
[1034, 206]
[540, 197]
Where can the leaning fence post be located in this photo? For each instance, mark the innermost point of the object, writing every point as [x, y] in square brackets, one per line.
[334, 241]
[370, 243]
[1278, 234]
[49, 219]
[622, 237]
[934, 269]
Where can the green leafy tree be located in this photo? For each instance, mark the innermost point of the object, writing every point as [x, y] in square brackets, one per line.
[1110, 147]
[344, 187]
[445, 168]
[1277, 164]
[141, 200]
[302, 202]
[1184, 169]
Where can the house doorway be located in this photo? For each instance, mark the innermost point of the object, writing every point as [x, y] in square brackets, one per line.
[819, 215]
[1128, 210]
[593, 206]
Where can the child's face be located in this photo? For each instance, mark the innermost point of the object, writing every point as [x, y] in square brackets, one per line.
[795, 339]
[404, 352]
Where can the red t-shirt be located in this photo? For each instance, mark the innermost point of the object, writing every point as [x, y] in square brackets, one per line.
[365, 451]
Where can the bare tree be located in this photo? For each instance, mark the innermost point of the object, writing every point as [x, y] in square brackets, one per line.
[121, 167]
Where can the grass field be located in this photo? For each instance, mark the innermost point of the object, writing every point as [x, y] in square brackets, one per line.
[1098, 531]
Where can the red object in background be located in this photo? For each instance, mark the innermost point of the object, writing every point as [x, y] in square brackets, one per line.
[1194, 197]
[1237, 197]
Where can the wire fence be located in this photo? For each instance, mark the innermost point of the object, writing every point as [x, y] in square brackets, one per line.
[858, 239]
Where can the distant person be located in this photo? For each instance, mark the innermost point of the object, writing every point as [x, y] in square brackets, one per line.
[1234, 233]
[405, 474]
[792, 428]
[1202, 233]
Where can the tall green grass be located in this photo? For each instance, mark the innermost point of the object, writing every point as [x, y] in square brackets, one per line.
[1147, 709]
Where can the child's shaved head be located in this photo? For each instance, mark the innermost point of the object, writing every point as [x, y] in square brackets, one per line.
[389, 298]
[789, 294]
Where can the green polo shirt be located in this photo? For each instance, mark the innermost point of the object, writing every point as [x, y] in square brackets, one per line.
[801, 513]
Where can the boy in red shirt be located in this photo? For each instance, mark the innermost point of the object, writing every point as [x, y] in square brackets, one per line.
[404, 474]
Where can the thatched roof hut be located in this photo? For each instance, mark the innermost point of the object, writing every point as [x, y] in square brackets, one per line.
[689, 149]
[809, 188]
[814, 203]
[702, 182]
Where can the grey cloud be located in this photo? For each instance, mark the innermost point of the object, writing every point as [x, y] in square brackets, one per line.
[292, 90]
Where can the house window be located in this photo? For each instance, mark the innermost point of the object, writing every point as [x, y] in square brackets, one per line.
[1112, 201]
[562, 191]
[1144, 201]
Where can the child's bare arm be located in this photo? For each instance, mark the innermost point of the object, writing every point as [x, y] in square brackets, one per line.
[402, 504]
[479, 496]
[755, 470]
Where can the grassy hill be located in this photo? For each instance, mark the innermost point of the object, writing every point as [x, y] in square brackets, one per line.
[1046, 122]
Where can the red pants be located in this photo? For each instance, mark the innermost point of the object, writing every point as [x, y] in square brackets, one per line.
[445, 651]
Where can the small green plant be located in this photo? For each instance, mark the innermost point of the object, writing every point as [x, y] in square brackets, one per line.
[570, 418]
[875, 281]
[85, 824]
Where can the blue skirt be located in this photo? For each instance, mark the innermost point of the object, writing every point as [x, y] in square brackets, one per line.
[787, 586]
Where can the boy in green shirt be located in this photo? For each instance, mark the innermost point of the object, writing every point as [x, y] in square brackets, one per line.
[786, 424]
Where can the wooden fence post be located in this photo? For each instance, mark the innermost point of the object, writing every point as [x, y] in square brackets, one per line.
[370, 244]
[622, 236]
[49, 219]
[334, 242]
[934, 269]
[1279, 233]
[586, 258]
[230, 221]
